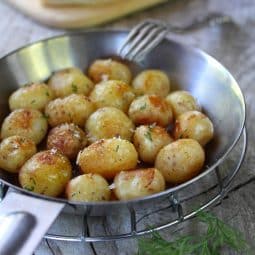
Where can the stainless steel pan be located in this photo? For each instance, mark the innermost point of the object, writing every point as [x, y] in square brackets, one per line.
[25, 216]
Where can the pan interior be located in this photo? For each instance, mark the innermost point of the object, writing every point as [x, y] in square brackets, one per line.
[189, 69]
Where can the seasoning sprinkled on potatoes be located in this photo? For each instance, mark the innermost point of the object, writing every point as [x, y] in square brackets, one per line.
[88, 188]
[107, 157]
[33, 96]
[149, 109]
[15, 151]
[72, 109]
[47, 173]
[112, 93]
[180, 161]
[109, 122]
[112, 133]
[148, 141]
[151, 82]
[108, 69]
[70, 81]
[182, 101]
[29, 123]
[69, 139]
[138, 183]
[194, 125]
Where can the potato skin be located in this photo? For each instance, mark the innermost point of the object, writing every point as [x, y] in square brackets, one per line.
[194, 125]
[107, 157]
[69, 139]
[34, 96]
[109, 122]
[108, 69]
[149, 109]
[148, 141]
[70, 81]
[151, 82]
[88, 188]
[182, 101]
[47, 173]
[15, 151]
[112, 93]
[72, 109]
[138, 183]
[29, 123]
[180, 161]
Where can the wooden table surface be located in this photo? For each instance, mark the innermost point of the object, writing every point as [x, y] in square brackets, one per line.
[232, 44]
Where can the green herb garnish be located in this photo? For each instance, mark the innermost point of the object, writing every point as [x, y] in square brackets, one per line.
[47, 94]
[32, 180]
[29, 188]
[117, 148]
[33, 101]
[143, 107]
[45, 116]
[218, 235]
[74, 88]
[148, 135]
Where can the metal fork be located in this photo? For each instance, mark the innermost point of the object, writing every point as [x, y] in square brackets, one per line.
[148, 34]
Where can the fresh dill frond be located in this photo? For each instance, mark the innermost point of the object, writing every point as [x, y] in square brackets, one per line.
[218, 235]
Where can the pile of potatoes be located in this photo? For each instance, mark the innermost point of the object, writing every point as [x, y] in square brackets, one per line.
[103, 135]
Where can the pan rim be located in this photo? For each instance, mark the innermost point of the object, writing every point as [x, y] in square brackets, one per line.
[164, 193]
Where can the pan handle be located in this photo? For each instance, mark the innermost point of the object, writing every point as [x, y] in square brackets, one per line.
[23, 222]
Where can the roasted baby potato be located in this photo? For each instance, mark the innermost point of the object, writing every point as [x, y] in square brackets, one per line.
[88, 188]
[182, 101]
[151, 82]
[47, 173]
[14, 152]
[70, 81]
[69, 139]
[109, 122]
[72, 109]
[138, 183]
[112, 93]
[107, 157]
[180, 161]
[34, 96]
[28, 123]
[149, 109]
[108, 69]
[194, 125]
[148, 141]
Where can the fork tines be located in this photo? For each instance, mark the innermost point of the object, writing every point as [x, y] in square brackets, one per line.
[142, 39]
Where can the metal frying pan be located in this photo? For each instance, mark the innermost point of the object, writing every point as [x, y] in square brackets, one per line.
[24, 216]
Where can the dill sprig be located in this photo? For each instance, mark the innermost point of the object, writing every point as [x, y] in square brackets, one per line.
[218, 235]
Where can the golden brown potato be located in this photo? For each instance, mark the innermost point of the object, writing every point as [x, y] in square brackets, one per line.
[88, 188]
[149, 109]
[29, 123]
[109, 122]
[70, 81]
[182, 101]
[47, 173]
[151, 82]
[15, 151]
[138, 183]
[34, 96]
[180, 161]
[148, 140]
[108, 157]
[69, 139]
[194, 125]
[72, 109]
[112, 93]
[108, 69]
